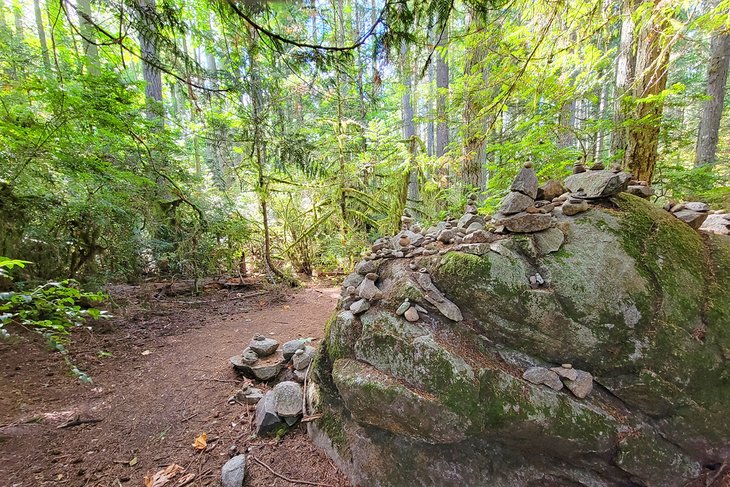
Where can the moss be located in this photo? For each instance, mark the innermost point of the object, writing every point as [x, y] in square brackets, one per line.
[332, 425]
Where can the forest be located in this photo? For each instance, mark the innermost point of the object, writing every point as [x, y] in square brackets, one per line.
[357, 181]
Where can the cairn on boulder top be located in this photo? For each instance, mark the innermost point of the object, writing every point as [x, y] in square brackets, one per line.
[518, 213]
[599, 183]
[693, 213]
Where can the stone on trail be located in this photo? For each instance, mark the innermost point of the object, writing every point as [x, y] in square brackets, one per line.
[267, 420]
[263, 346]
[598, 184]
[290, 347]
[264, 369]
[233, 472]
[582, 385]
[248, 395]
[287, 399]
[303, 358]
[543, 376]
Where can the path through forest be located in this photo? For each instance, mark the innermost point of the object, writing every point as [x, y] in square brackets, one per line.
[161, 377]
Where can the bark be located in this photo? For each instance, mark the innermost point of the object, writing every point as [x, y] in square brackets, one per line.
[91, 50]
[625, 73]
[567, 122]
[41, 34]
[475, 123]
[148, 49]
[652, 61]
[717, 73]
[18, 18]
[442, 87]
[409, 129]
[430, 133]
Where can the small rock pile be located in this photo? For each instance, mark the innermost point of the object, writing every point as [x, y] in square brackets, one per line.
[693, 213]
[579, 382]
[519, 211]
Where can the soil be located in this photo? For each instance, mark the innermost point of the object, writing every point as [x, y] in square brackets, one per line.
[161, 377]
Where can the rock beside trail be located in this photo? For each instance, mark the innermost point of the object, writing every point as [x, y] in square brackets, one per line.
[631, 296]
[302, 358]
[694, 219]
[288, 399]
[263, 369]
[597, 184]
[263, 346]
[267, 420]
[234, 472]
[291, 347]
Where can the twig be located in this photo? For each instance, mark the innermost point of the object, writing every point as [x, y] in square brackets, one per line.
[313, 417]
[283, 477]
[77, 421]
[189, 417]
[219, 380]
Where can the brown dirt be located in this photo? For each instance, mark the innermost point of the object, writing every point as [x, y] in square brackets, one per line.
[160, 378]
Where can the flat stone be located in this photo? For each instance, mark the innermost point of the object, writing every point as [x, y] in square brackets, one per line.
[515, 202]
[266, 418]
[526, 222]
[468, 219]
[598, 184]
[446, 235]
[549, 190]
[263, 346]
[547, 241]
[473, 248]
[368, 290]
[414, 238]
[717, 223]
[571, 209]
[694, 219]
[360, 306]
[543, 376]
[437, 299]
[233, 472]
[640, 191]
[264, 369]
[403, 308]
[697, 206]
[474, 227]
[288, 399]
[526, 182]
[411, 314]
[290, 347]
[248, 395]
[479, 236]
[367, 266]
[582, 385]
[571, 374]
[303, 358]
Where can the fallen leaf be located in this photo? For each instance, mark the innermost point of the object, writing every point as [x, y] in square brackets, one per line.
[163, 477]
[133, 462]
[201, 442]
[146, 352]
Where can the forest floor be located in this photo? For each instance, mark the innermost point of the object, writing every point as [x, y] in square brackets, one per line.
[161, 377]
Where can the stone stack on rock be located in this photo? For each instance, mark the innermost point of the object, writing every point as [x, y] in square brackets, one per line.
[518, 212]
[578, 382]
[596, 184]
[260, 359]
[280, 407]
[640, 189]
[693, 213]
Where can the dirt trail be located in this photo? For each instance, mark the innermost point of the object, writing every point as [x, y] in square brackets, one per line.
[161, 377]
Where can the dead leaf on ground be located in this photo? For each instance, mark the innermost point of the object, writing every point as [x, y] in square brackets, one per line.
[133, 462]
[201, 442]
[146, 352]
[163, 477]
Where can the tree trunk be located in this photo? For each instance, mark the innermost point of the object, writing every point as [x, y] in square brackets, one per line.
[41, 34]
[409, 129]
[18, 18]
[566, 122]
[625, 73]
[652, 61]
[148, 49]
[430, 132]
[475, 123]
[91, 50]
[442, 88]
[717, 72]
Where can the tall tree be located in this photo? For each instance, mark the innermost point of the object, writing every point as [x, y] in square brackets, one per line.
[442, 93]
[475, 122]
[717, 71]
[41, 34]
[625, 67]
[148, 49]
[409, 128]
[652, 62]
[88, 32]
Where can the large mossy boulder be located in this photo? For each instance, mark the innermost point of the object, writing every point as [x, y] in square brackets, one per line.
[629, 293]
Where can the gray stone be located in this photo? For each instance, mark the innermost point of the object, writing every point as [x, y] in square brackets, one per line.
[479, 236]
[547, 241]
[303, 358]
[640, 191]
[353, 279]
[598, 184]
[526, 182]
[288, 399]
[473, 248]
[525, 222]
[468, 219]
[571, 373]
[437, 299]
[248, 356]
[264, 369]
[248, 395]
[697, 206]
[550, 190]
[515, 202]
[266, 419]
[446, 235]
[717, 223]
[263, 346]
[300, 375]
[233, 472]
[411, 314]
[694, 219]
[403, 308]
[474, 227]
[582, 385]
[543, 376]
[413, 239]
[367, 266]
[571, 209]
[290, 347]
[360, 306]
[368, 290]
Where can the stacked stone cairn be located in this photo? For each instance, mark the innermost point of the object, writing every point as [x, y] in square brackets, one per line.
[262, 360]
[578, 382]
[693, 213]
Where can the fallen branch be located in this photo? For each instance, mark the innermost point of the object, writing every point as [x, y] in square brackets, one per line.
[283, 477]
[313, 417]
[220, 380]
[77, 421]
